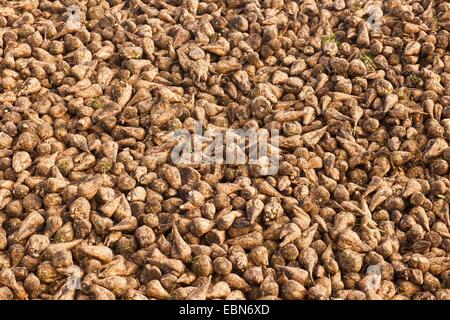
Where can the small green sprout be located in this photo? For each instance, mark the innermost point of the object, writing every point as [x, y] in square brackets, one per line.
[64, 167]
[367, 59]
[416, 80]
[330, 39]
[355, 5]
[96, 105]
[105, 165]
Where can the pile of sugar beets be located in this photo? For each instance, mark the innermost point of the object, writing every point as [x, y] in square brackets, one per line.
[92, 93]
